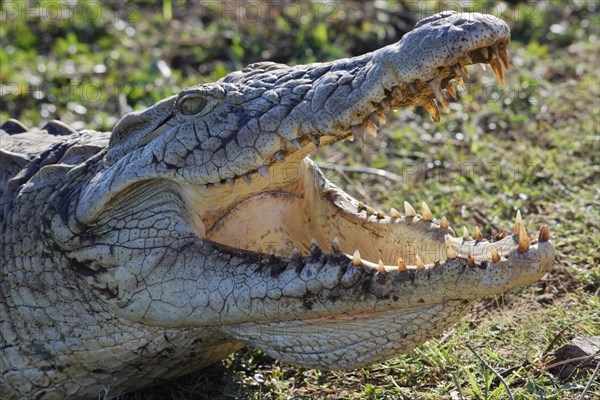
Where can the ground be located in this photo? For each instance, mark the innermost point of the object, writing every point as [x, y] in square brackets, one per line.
[533, 146]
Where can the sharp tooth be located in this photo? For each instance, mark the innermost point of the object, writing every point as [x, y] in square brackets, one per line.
[230, 181]
[452, 90]
[465, 72]
[471, 261]
[434, 84]
[401, 264]
[374, 118]
[485, 53]
[263, 171]
[385, 104]
[369, 210]
[478, 235]
[247, 178]
[531, 237]
[483, 67]
[371, 130]
[359, 134]
[495, 255]
[396, 92]
[279, 156]
[460, 82]
[316, 141]
[295, 254]
[433, 110]
[465, 233]
[518, 223]
[494, 48]
[394, 213]
[409, 211]
[451, 253]
[523, 240]
[445, 104]
[497, 68]
[419, 262]
[444, 223]
[413, 87]
[361, 206]
[467, 60]
[335, 246]
[379, 214]
[501, 233]
[426, 212]
[381, 267]
[544, 234]
[356, 261]
[504, 58]
[315, 250]
[216, 185]
[296, 143]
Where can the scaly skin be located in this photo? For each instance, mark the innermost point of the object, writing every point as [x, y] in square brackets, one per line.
[134, 258]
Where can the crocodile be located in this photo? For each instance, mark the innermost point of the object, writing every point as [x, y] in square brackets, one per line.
[200, 225]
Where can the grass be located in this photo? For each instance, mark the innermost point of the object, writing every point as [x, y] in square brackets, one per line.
[531, 146]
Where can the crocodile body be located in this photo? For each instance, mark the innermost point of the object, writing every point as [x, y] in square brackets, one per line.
[193, 228]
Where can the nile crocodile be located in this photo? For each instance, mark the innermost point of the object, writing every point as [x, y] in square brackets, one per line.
[195, 227]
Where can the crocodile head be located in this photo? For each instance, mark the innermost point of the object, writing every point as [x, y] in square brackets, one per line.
[206, 212]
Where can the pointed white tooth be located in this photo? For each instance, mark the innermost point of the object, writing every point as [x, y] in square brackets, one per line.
[419, 263]
[433, 110]
[544, 235]
[370, 210]
[478, 235]
[401, 264]
[297, 144]
[426, 212]
[444, 224]
[379, 214]
[335, 245]
[497, 68]
[483, 67]
[371, 130]
[295, 253]
[394, 213]
[374, 118]
[381, 266]
[504, 58]
[464, 72]
[264, 171]
[385, 104]
[452, 90]
[359, 134]
[494, 49]
[523, 241]
[518, 223]
[471, 261]
[356, 261]
[451, 253]
[434, 84]
[279, 156]
[216, 185]
[361, 206]
[495, 255]
[465, 233]
[485, 53]
[409, 211]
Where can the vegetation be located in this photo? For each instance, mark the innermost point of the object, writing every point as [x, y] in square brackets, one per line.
[532, 145]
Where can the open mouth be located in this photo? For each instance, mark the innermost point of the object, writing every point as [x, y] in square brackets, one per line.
[289, 208]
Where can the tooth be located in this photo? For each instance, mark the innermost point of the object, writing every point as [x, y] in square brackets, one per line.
[295, 253]
[230, 181]
[451, 253]
[544, 234]
[371, 130]
[497, 68]
[394, 213]
[501, 233]
[478, 235]
[279, 156]
[263, 171]
[531, 237]
[419, 262]
[359, 134]
[315, 250]
[465, 233]
[523, 240]
[426, 212]
[247, 178]
[216, 185]
[379, 214]
[335, 246]
[369, 210]
[296, 143]
[470, 260]
[396, 92]
[381, 267]
[495, 255]
[401, 264]
[413, 87]
[374, 118]
[445, 105]
[356, 261]
[468, 60]
[460, 82]
[504, 58]
[518, 223]
[484, 52]
[433, 110]
[316, 141]
[465, 72]
[409, 211]
[361, 206]
[452, 90]
[494, 48]
[385, 104]
[483, 67]
[444, 223]
[434, 84]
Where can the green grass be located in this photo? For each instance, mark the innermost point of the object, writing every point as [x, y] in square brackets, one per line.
[531, 146]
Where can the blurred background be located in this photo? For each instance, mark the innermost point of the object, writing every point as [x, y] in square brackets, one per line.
[532, 145]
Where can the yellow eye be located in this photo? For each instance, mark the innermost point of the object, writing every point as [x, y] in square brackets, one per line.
[192, 105]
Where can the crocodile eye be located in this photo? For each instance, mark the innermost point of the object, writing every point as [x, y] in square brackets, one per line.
[192, 105]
